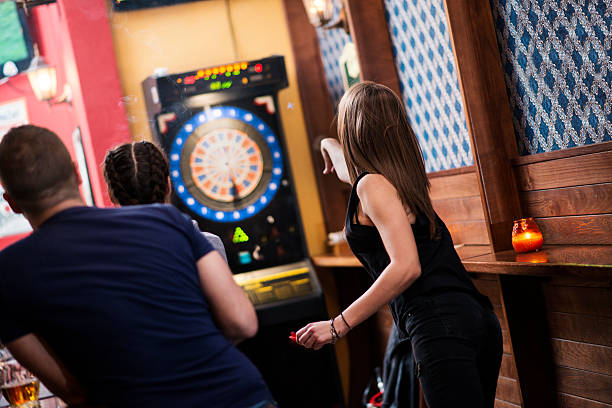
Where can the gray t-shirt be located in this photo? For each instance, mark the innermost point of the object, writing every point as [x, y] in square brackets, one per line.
[216, 243]
[214, 240]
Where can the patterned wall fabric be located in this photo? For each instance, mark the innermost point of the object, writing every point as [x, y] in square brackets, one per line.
[332, 43]
[429, 82]
[557, 58]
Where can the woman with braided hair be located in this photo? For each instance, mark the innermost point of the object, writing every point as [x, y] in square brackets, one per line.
[138, 173]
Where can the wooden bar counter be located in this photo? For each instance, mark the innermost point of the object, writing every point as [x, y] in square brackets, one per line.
[555, 309]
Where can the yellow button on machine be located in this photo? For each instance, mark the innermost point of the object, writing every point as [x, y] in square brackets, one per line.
[277, 286]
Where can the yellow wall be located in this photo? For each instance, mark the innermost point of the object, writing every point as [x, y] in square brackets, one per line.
[194, 35]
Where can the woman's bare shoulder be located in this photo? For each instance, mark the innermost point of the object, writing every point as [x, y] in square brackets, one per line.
[376, 193]
[374, 184]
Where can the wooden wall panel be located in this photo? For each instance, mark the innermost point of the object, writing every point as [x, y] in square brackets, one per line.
[569, 193]
[585, 384]
[580, 200]
[471, 251]
[579, 300]
[507, 368]
[508, 390]
[455, 197]
[566, 172]
[499, 312]
[577, 230]
[484, 277]
[588, 329]
[459, 209]
[507, 345]
[469, 232]
[582, 356]
[572, 401]
[490, 289]
[580, 325]
[561, 154]
[454, 186]
[504, 404]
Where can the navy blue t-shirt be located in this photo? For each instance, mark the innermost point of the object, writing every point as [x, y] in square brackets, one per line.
[116, 293]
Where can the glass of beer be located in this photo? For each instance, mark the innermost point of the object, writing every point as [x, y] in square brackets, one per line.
[19, 387]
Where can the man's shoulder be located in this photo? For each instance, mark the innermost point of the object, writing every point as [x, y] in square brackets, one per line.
[164, 211]
[12, 254]
[143, 211]
[15, 247]
[159, 216]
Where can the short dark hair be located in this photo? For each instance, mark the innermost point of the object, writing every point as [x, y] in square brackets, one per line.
[136, 173]
[36, 169]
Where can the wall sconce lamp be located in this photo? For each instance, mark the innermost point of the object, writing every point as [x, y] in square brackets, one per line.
[320, 14]
[43, 80]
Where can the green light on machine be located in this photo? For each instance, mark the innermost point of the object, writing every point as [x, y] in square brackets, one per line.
[239, 236]
[215, 86]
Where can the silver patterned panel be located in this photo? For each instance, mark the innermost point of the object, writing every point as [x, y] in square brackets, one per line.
[557, 58]
[429, 82]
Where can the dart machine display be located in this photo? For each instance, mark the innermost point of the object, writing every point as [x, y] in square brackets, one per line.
[230, 172]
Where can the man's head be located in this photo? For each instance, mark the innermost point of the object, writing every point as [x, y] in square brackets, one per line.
[36, 170]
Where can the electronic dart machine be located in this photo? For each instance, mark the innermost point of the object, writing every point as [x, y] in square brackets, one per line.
[230, 172]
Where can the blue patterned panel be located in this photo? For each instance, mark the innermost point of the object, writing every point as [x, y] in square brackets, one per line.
[557, 58]
[332, 43]
[429, 82]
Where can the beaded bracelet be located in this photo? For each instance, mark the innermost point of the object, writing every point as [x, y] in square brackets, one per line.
[333, 331]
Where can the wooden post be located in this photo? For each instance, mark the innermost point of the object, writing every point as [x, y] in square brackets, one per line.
[488, 115]
[369, 31]
[317, 108]
[527, 322]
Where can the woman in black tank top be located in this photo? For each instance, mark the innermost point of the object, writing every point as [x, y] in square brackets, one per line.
[393, 230]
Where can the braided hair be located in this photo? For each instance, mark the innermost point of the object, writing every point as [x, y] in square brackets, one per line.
[136, 173]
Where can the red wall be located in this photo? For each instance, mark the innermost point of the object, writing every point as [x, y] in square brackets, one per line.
[75, 37]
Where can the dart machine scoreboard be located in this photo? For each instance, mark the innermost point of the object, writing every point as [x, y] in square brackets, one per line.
[230, 172]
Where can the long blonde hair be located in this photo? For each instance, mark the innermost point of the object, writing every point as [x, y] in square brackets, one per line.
[376, 137]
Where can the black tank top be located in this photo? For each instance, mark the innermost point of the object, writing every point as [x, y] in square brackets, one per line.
[441, 268]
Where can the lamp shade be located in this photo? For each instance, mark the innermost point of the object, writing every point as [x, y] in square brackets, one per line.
[319, 11]
[42, 79]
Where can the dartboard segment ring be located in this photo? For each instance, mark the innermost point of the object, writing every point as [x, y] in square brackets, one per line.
[226, 164]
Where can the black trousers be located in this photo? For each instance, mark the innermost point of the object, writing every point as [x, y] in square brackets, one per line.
[457, 345]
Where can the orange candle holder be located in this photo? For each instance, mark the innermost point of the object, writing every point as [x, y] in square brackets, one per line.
[526, 236]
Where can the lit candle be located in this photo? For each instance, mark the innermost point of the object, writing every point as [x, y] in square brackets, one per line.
[526, 236]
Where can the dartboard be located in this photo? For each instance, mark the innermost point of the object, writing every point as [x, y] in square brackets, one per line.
[226, 164]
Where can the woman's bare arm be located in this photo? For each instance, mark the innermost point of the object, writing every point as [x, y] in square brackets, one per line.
[334, 159]
[381, 204]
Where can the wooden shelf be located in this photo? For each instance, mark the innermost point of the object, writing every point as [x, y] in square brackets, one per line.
[586, 261]
[336, 261]
[583, 261]
[349, 261]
